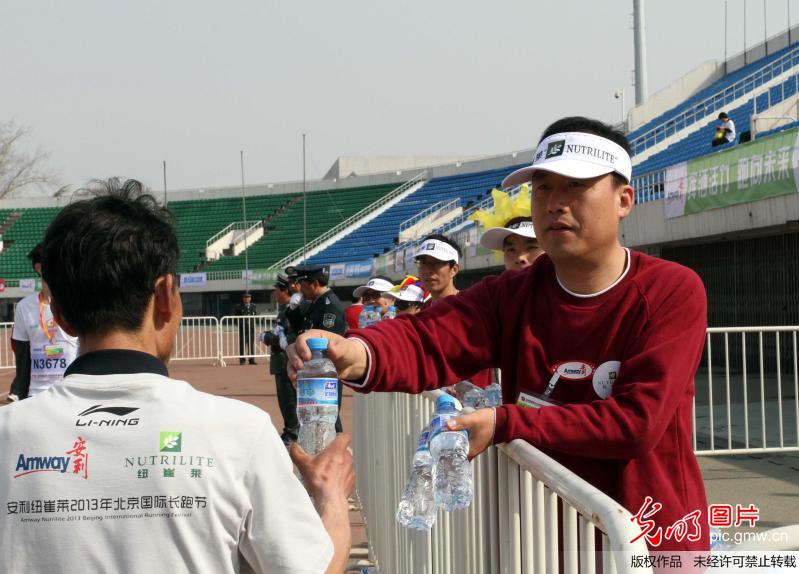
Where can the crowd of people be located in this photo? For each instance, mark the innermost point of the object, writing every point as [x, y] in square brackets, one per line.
[597, 344]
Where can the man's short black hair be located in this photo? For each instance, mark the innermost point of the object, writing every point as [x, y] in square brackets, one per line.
[35, 254]
[723, 116]
[447, 240]
[590, 126]
[102, 256]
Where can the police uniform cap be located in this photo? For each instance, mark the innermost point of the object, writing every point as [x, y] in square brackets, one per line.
[291, 274]
[282, 281]
[312, 272]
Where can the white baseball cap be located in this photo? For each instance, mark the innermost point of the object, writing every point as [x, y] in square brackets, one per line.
[412, 293]
[575, 154]
[437, 250]
[375, 284]
[494, 237]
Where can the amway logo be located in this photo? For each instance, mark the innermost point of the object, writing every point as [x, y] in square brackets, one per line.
[574, 370]
[118, 411]
[78, 461]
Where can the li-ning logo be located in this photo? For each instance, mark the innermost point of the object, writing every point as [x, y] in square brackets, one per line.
[119, 412]
[170, 441]
[555, 148]
[78, 462]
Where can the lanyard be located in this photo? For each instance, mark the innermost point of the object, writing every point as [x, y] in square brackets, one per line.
[50, 335]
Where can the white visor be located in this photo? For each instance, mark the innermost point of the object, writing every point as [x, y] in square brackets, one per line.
[494, 238]
[575, 154]
[412, 293]
[437, 250]
[376, 284]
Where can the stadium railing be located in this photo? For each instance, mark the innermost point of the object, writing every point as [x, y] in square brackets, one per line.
[6, 354]
[295, 256]
[714, 103]
[513, 522]
[747, 392]
[234, 330]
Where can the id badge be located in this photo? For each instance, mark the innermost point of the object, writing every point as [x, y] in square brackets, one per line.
[534, 401]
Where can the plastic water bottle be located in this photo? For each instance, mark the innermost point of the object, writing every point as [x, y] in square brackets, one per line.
[471, 395]
[363, 318]
[493, 395]
[391, 313]
[375, 315]
[417, 508]
[449, 449]
[317, 399]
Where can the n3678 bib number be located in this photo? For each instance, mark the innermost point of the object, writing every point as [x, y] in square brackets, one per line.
[49, 364]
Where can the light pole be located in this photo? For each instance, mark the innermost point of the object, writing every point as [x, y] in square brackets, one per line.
[620, 96]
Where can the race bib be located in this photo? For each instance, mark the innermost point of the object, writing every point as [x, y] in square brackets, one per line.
[317, 392]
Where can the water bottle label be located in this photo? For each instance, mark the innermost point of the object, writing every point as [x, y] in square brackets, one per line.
[439, 425]
[317, 392]
[424, 441]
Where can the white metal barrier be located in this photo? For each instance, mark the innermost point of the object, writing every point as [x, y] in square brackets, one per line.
[513, 523]
[747, 391]
[6, 354]
[238, 336]
[197, 338]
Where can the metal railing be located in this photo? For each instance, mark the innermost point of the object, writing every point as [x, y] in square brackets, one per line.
[223, 275]
[238, 337]
[714, 103]
[435, 208]
[747, 392]
[514, 521]
[649, 186]
[485, 204]
[236, 225]
[197, 338]
[6, 354]
[288, 259]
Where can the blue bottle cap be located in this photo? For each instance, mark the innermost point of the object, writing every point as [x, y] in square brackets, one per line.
[445, 399]
[392, 308]
[317, 344]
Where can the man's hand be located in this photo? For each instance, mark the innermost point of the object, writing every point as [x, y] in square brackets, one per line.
[480, 425]
[330, 478]
[347, 355]
[330, 475]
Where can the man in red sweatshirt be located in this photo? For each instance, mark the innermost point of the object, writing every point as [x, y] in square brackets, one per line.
[610, 337]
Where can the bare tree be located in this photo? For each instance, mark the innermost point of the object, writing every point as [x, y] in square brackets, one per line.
[20, 169]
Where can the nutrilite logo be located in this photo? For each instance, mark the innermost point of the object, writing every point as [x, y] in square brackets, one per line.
[555, 148]
[170, 441]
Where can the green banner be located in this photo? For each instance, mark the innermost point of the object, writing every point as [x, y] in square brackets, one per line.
[747, 172]
[264, 276]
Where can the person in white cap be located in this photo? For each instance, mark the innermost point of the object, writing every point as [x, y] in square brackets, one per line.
[610, 337]
[372, 292]
[509, 229]
[408, 297]
[438, 261]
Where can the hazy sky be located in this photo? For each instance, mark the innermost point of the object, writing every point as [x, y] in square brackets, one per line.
[113, 88]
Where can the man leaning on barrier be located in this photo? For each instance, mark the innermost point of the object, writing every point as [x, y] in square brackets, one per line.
[119, 468]
[598, 344]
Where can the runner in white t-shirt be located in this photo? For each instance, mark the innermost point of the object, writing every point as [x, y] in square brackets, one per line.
[120, 468]
[42, 348]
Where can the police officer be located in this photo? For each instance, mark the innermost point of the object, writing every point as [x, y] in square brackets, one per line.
[297, 306]
[278, 339]
[246, 327]
[325, 311]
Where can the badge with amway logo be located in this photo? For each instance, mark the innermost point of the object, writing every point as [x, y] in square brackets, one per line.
[574, 370]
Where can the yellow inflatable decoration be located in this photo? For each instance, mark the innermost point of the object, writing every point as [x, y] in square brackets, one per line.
[505, 208]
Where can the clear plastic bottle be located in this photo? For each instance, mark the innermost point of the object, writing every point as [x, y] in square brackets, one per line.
[391, 313]
[317, 399]
[417, 508]
[365, 316]
[493, 395]
[450, 449]
[471, 395]
[375, 315]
